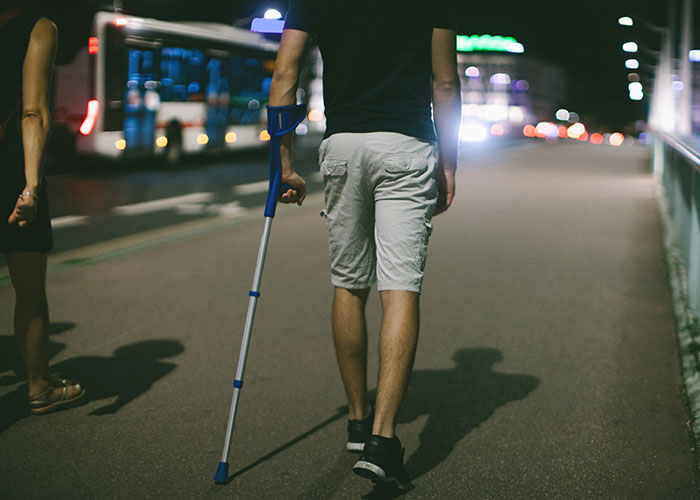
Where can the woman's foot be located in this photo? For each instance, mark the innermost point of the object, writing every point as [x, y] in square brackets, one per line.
[57, 392]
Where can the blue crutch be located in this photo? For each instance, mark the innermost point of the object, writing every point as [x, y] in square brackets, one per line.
[281, 120]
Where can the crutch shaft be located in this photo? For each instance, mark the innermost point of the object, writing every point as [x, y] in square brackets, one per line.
[245, 342]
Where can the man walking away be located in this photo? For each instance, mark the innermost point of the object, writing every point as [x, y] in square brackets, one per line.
[385, 62]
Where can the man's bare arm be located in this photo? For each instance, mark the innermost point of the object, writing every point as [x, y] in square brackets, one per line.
[447, 110]
[290, 59]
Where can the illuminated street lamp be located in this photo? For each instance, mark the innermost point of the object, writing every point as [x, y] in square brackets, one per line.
[625, 21]
[630, 47]
[272, 14]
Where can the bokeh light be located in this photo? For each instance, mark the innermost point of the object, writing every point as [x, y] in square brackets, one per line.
[473, 72]
[617, 139]
[563, 115]
[630, 47]
[315, 115]
[576, 130]
[596, 138]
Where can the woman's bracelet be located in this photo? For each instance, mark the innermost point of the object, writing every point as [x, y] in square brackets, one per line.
[31, 195]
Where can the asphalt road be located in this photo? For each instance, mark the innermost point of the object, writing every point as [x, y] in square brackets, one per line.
[547, 365]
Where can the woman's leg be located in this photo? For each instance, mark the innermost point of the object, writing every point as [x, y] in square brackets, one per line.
[28, 275]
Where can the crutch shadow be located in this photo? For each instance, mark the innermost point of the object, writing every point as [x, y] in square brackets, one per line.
[341, 412]
[119, 379]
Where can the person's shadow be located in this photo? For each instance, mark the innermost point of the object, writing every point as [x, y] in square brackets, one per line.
[125, 376]
[456, 400]
[11, 361]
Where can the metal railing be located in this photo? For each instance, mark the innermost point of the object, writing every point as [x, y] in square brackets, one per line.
[677, 167]
[677, 170]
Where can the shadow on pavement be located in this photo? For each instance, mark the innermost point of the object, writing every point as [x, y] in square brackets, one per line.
[10, 359]
[456, 400]
[341, 412]
[125, 376]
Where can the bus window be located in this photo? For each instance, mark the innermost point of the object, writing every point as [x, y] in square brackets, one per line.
[218, 101]
[250, 77]
[181, 74]
[141, 101]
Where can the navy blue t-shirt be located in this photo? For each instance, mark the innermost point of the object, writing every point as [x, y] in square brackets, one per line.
[376, 61]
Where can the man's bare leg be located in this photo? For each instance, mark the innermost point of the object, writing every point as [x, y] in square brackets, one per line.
[350, 336]
[397, 349]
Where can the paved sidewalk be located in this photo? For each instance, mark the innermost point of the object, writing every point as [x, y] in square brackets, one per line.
[547, 365]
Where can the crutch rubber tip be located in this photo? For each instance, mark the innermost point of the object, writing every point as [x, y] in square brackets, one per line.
[221, 476]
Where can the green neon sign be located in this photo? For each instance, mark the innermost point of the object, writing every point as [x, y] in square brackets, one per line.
[475, 43]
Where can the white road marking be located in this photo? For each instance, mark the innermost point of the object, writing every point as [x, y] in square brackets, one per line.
[233, 209]
[69, 221]
[251, 188]
[190, 209]
[164, 204]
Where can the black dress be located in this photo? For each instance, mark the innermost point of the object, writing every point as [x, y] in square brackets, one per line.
[37, 236]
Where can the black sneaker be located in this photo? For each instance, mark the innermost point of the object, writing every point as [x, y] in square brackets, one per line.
[382, 462]
[359, 432]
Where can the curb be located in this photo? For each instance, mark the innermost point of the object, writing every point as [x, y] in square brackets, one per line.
[687, 320]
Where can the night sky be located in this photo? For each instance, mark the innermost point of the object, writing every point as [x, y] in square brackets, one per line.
[582, 37]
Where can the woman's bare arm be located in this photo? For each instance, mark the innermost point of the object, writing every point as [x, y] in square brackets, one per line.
[36, 82]
[36, 120]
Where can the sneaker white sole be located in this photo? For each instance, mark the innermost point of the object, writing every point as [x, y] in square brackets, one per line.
[376, 474]
[355, 446]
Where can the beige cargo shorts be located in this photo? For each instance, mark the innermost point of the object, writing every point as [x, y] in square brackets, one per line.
[380, 194]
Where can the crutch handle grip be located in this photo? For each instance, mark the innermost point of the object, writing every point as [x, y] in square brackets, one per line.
[284, 188]
[281, 120]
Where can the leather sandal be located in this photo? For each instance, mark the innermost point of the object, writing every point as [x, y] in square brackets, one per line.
[44, 402]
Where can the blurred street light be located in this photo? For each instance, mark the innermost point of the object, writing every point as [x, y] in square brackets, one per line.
[625, 21]
[632, 64]
[630, 47]
[272, 14]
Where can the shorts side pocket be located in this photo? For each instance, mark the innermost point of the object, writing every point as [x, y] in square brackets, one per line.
[335, 174]
[422, 253]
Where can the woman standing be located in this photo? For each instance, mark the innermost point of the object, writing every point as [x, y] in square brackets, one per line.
[27, 50]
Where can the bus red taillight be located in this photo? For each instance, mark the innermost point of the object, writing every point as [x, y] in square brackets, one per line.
[90, 117]
[93, 45]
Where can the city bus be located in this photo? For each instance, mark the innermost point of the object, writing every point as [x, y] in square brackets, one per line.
[144, 87]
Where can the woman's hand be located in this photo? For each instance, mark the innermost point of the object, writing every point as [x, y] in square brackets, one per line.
[25, 210]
